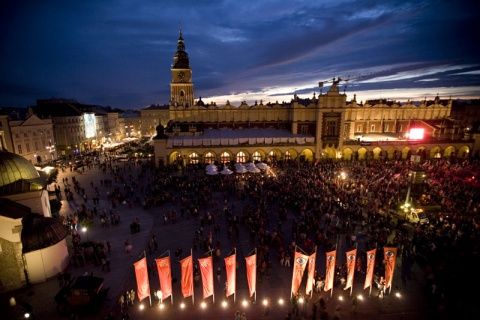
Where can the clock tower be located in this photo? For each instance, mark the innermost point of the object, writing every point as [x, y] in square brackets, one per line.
[181, 87]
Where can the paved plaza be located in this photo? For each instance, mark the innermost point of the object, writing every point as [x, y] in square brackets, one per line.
[170, 236]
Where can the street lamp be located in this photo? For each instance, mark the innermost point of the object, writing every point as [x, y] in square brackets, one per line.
[85, 229]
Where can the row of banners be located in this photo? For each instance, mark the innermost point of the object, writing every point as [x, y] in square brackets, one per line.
[300, 263]
[301, 260]
[186, 266]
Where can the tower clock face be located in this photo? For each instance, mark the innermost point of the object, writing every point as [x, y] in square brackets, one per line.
[181, 75]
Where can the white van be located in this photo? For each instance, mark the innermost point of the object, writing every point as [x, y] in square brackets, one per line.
[417, 216]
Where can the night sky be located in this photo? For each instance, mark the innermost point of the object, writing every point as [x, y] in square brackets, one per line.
[118, 53]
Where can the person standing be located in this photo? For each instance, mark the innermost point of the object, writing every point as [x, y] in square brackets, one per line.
[381, 287]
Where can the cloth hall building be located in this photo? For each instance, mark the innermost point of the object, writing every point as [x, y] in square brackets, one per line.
[327, 126]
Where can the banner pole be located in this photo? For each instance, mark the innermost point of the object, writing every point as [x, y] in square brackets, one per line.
[171, 294]
[235, 293]
[193, 291]
[311, 291]
[150, 289]
[255, 276]
[291, 292]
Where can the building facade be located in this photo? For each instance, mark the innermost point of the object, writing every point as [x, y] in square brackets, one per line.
[327, 126]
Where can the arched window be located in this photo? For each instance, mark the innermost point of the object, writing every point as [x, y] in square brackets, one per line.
[241, 157]
[272, 155]
[256, 156]
[288, 155]
[209, 158]
[224, 157]
[193, 158]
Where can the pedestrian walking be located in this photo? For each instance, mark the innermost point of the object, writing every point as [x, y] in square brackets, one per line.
[381, 288]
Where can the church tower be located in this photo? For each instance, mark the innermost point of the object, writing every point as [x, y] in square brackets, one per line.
[181, 87]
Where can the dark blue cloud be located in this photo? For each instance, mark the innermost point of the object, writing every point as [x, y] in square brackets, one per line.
[118, 53]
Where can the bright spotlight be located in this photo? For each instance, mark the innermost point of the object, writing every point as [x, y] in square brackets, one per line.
[280, 301]
[141, 307]
[204, 305]
[224, 304]
[26, 315]
[360, 297]
[161, 306]
[340, 298]
[244, 303]
[398, 294]
[84, 229]
[182, 305]
[265, 302]
[301, 300]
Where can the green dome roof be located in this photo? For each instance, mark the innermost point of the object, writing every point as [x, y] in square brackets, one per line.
[14, 168]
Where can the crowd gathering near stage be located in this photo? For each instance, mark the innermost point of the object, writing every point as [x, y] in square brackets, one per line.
[312, 206]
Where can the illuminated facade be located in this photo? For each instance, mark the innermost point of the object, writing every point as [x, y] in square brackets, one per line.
[327, 126]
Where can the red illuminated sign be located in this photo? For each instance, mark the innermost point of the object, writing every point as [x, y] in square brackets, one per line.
[416, 133]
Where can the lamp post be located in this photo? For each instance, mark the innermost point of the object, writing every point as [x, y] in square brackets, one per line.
[85, 229]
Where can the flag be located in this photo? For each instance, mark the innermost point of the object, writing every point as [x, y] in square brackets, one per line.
[311, 271]
[330, 271]
[251, 264]
[370, 267]
[231, 269]
[299, 264]
[186, 266]
[206, 269]
[390, 256]
[141, 273]
[164, 276]
[351, 263]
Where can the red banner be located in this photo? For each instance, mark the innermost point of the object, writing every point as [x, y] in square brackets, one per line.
[351, 263]
[206, 269]
[370, 266]
[231, 268]
[390, 256]
[251, 264]
[164, 276]
[141, 273]
[311, 271]
[330, 271]
[186, 266]
[299, 264]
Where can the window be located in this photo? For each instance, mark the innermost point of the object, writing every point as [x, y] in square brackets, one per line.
[272, 155]
[25, 135]
[193, 158]
[303, 129]
[288, 155]
[256, 156]
[28, 147]
[359, 128]
[17, 135]
[331, 128]
[385, 128]
[19, 148]
[224, 157]
[209, 158]
[241, 157]
[372, 128]
[36, 145]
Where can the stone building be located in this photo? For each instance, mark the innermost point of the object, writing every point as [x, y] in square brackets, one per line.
[327, 126]
[33, 245]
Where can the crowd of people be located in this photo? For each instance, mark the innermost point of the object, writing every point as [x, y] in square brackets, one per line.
[316, 206]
